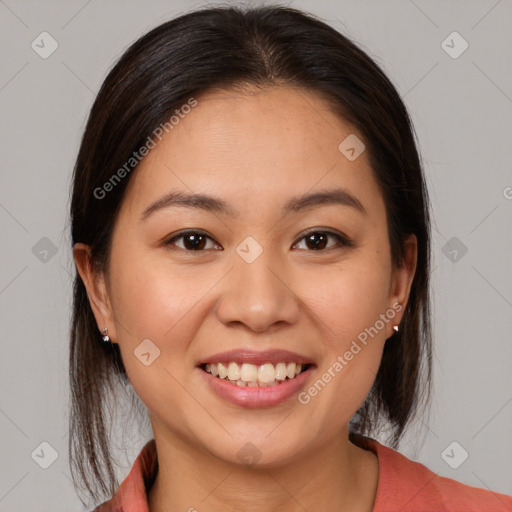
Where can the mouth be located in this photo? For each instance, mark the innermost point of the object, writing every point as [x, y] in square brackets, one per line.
[247, 378]
[252, 375]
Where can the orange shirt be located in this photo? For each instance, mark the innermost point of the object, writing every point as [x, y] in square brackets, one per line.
[403, 486]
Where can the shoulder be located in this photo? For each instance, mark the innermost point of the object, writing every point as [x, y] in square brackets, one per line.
[410, 486]
[132, 493]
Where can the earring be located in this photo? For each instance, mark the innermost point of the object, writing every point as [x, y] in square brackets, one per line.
[395, 328]
[105, 336]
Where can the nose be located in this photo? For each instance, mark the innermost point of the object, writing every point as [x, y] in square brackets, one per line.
[258, 294]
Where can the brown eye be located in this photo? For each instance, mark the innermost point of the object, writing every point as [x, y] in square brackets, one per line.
[192, 241]
[318, 240]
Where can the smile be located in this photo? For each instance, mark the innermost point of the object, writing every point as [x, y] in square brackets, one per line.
[249, 378]
[252, 375]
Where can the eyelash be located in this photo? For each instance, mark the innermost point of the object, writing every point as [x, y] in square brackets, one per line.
[342, 239]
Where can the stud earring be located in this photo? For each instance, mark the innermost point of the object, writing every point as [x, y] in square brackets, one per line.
[395, 328]
[105, 336]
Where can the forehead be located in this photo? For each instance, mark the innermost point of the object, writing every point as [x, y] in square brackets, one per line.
[254, 146]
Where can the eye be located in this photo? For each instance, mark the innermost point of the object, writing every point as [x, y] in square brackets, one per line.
[192, 240]
[317, 240]
[197, 241]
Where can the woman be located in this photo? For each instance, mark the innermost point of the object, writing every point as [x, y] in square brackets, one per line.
[250, 226]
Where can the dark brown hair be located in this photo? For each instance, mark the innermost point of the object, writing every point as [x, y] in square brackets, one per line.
[225, 47]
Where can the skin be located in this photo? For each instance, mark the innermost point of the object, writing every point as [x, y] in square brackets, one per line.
[255, 149]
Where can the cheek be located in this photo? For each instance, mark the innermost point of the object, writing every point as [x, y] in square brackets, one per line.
[347, 303]
[349, 298]
[153, 301]
[164, 303]
[150, 297]
[346, 308]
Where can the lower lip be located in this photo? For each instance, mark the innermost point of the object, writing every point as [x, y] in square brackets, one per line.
[266, 396]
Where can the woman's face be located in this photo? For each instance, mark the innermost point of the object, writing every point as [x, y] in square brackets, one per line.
[268, 274]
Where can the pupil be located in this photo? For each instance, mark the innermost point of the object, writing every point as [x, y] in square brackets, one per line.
[316, 243]
[196, 241]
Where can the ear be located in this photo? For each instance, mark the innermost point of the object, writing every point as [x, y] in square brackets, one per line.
[96, 289]
[401, 281]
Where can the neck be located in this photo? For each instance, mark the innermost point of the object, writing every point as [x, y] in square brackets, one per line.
[337, 476]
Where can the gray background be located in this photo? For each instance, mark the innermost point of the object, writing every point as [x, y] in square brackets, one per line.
[462, 111]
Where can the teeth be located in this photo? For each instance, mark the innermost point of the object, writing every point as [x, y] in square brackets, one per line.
[290, 370]
[251, 375]
[223, 371]
[281, 371]
[233, 371]
[266, 373]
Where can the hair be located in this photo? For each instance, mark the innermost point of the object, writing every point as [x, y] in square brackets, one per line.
[225, 48]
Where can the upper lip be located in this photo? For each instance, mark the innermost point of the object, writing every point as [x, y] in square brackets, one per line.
[241, 356]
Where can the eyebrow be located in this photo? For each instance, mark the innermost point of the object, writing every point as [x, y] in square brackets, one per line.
[204, 202]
